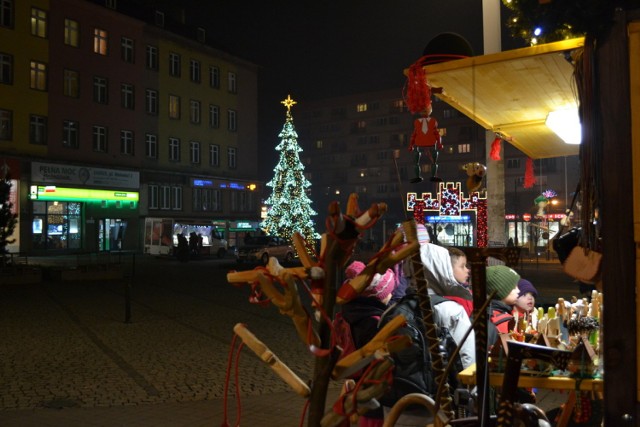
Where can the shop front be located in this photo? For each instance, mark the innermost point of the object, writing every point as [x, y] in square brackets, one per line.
[456, 219]
[161, 235]
[241, 229]
[533, 234]
[66, 217]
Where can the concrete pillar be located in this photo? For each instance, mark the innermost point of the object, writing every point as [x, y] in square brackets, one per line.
[495, 194]
[492, 43]
[491, 28]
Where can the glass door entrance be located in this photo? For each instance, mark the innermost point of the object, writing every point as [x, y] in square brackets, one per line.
[111, 234]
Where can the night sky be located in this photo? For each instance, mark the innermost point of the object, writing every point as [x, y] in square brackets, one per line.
[316, 50]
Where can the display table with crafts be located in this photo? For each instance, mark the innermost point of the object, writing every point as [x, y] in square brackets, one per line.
[468, 377]
[568, 332]
[596, 385]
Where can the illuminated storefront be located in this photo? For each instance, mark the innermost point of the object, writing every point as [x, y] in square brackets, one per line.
[58, 214]
[456, 219]
[65, 217]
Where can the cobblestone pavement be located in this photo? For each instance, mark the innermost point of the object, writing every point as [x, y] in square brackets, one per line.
[68, 358]
[66, 347]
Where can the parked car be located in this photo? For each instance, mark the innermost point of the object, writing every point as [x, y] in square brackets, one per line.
[261, 248]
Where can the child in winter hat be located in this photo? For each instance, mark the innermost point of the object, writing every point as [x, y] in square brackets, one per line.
[504, 281]
[524, 308]
[381, 286]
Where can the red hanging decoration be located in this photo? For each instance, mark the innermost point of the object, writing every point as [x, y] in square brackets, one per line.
[418, 212]
[418, 93]
[529, 176]
[495, 148]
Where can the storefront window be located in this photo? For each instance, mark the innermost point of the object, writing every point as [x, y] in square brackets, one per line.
[56, 225]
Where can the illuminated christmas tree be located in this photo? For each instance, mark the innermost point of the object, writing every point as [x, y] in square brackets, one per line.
[289, 206]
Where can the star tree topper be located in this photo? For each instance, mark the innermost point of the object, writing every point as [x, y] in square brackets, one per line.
[288, 103]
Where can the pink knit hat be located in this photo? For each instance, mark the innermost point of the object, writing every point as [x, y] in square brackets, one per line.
[381, 286]
[354, 269]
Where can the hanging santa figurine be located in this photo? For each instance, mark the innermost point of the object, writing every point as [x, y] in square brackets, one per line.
[426, 135]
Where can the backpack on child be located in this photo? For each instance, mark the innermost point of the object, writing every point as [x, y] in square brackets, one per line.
[413, 372]
[498, 316]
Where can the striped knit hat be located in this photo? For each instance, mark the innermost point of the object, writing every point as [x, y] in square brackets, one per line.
[423, 234]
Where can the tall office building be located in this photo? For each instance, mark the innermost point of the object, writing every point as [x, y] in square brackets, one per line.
[350, 143]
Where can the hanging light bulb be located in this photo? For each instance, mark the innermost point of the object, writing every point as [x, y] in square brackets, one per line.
[566, 124]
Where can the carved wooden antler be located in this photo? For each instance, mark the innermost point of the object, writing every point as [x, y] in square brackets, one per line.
[443, 401]
[288, 301]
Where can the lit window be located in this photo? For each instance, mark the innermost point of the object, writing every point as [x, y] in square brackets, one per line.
[464, 148]
[174, 64]
[71, 84]
[38, 76]
[194, 70]
[232, 83]
[128, 96]
[231, 157]
[6, 68]
[100, 38]
[214, 77]
[126, 142]
[319, 144]
[174, 107]
[194, 152]
[6, 125]
[151, 59]
[100, 139]
[126, 50]
[38, 22]
[214, 116]
[174, 149]
[214, 155]
[232, 124]
[151, 101]
[151, 146]
[37, 130]
[70, 133]
[194, 111]
[100, 90]
[360, 108]
[71, 33]
[398, 105]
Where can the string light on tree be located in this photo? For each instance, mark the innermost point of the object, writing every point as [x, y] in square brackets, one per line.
[545, 21]
[289, 206]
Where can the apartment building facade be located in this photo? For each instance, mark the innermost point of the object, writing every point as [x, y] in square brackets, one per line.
[122, 129]
[360, 143]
